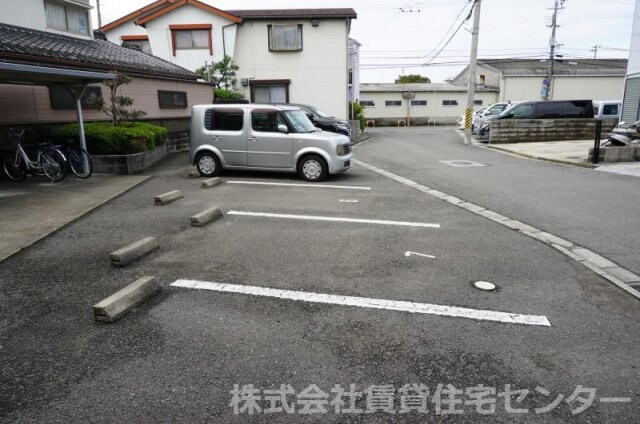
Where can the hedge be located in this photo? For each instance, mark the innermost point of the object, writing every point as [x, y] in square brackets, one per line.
[105, 139]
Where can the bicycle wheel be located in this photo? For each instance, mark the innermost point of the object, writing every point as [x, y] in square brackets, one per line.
[80, 162]
[53, 165]
[14, 166]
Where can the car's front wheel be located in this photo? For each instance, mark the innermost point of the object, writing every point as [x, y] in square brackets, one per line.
[312, 168]
[208, 164]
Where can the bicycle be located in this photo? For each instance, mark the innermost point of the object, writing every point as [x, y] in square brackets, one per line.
[49, 161]
[78, 159]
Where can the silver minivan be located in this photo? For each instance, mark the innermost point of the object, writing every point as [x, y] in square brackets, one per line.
[264, 138]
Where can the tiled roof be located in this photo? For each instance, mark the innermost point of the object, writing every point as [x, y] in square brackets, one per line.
[416, 87]
[294, 13]
[26, 45]
[585, 67]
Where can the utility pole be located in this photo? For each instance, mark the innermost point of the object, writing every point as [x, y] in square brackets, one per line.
[471, 87]
[99, 16]
[595, 50]
[552, 53]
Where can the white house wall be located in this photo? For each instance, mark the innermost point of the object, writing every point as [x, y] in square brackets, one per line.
[433, 110]
[318, 73]
[129, 28]
[189, 59]
[28, 14]
[564, 88]
[634, 50]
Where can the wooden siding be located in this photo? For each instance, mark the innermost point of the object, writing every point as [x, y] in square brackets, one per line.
[31, 104]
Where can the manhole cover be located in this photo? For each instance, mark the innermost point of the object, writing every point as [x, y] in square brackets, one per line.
[484, 285]
[461, 163]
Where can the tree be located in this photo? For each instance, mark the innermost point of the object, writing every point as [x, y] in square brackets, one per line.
[117, 107]
[221, 74]
[411, 78]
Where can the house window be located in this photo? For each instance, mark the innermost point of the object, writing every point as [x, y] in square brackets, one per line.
[418, 102]
[270, 91]
[172, 99]
[66, 18]
[142, 41]
[367, 103]
[224, 119]
[191, 37]
[449, 103]
[285, 37]
[61, 98]
[477, 102]
[393, 102]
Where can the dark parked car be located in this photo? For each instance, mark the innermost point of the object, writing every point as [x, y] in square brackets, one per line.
[552, 109]
[324, 121]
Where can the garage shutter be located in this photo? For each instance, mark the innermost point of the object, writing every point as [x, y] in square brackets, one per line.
[631, 103]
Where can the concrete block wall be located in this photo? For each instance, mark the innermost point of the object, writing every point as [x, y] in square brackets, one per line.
[617, 154]
[532, 130]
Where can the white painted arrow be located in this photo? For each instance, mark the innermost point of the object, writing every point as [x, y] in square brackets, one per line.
[408, 253]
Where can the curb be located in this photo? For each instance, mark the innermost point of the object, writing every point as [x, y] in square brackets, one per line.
[118, 304]
[558, 161]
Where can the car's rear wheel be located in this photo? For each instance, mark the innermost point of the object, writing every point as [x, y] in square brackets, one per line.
[208, 164]
[312, 168]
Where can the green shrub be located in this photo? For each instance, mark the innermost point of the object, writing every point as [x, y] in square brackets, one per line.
[105, 139]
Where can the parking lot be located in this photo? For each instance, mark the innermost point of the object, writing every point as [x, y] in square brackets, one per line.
[356, 280]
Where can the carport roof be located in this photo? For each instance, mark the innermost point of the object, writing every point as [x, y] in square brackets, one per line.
[29, 46]
[18, 73]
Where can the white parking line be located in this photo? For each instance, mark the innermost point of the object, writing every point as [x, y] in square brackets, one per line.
[365, 302]
[333, 219]
[299, 185]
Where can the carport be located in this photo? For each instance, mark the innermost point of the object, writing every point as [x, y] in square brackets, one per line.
[74, 80]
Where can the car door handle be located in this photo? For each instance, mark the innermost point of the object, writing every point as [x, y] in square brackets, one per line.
[253, 139]
[215, 137]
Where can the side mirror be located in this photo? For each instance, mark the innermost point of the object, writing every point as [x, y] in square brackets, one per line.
[283, 128]
[311, 117]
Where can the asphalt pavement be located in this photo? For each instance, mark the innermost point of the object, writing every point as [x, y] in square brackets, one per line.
[361, 240]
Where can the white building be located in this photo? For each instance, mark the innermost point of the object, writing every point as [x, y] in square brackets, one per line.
[290, 55]
[523, 79]
[67, 17]
[419, 103]
[631, 103]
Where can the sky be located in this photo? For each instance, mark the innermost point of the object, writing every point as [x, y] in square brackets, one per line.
[402, 37]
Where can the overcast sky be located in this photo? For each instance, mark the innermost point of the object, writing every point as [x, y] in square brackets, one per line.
[397, 35]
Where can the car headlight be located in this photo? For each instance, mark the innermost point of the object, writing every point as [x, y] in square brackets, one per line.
[340, 150]
[344, 127]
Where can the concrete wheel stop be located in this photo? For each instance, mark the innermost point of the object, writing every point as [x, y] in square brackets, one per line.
[124, 256]
[118, 304]
[169, 197]
[205, 217]
[211, 182]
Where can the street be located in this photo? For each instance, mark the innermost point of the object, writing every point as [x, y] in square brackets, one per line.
[350, 300]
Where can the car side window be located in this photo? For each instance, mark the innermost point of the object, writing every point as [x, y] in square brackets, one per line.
[522, 111]
[266, 120]
[610, 110]
[224, 119]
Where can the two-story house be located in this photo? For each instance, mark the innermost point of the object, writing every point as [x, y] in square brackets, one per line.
[50, 64]
[290, 55]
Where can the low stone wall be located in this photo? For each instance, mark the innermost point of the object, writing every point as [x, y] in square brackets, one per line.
[178, 130]
[415, 122]
[128, 164]
[617, 154]
[532, 130]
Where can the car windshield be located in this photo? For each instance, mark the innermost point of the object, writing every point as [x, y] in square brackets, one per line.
[321, 113]
[299, 121]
